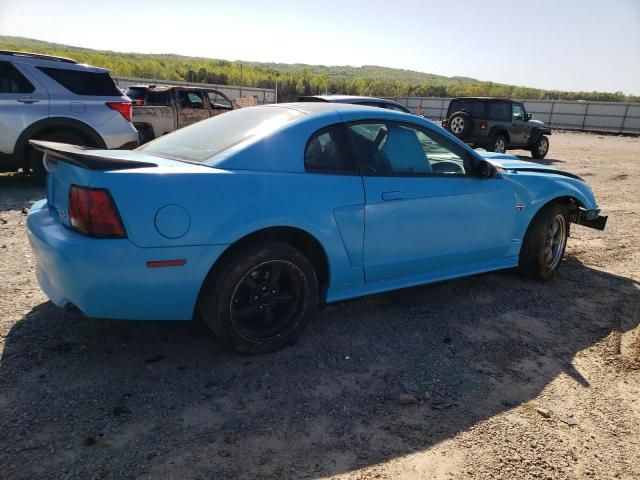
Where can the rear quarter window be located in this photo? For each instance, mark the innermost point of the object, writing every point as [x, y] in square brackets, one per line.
[84, 83]
[12, 81]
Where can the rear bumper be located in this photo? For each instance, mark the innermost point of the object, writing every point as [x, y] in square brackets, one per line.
[109, 278]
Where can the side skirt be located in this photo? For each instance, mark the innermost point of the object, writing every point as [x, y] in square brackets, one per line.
[344, 292]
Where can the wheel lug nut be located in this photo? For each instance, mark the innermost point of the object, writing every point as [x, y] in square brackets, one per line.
[273, 291]
[264, 288]
[255, 297]
[260, 307]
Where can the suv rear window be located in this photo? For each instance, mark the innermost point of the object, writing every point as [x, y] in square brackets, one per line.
[474, 107]
[84, 83]
[199, 142]
[12, 81]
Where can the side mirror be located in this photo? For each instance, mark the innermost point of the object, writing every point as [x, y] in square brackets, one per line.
[528, 116]
[486, 170]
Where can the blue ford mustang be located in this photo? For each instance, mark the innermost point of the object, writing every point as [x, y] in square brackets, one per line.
[248, 220]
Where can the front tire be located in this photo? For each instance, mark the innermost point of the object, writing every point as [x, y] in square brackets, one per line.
[540, 149]
[260, 299]
[545, 242]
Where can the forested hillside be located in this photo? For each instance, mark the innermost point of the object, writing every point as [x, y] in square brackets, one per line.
[297, 79]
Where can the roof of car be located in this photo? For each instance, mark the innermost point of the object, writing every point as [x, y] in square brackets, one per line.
[319, 107]
[39, 56]
[347, 98]
[41, 60]
[483, 98]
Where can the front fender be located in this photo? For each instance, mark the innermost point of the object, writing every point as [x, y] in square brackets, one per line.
[534, 194]
[563, 188]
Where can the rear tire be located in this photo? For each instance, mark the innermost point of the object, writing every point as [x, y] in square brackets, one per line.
[35, 166]
[261, 298]
[545, 242]
[498, 144]
[541, 147]
[460, 124]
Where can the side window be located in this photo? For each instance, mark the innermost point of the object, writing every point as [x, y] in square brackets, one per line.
[518, 112]
[389, 148]
[190, 99]
[442, 158]
[12, 81]
[158, 98]
[499, 111]
[325, 152]
[83, 82]
[218, 100]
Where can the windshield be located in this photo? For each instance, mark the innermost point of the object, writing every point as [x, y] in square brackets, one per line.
[201, 141]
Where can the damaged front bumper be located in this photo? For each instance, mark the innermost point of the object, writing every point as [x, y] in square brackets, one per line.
[591, 219]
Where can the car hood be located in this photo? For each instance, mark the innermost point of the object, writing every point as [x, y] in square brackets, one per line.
[536, 123]
[506, 161]
[513, 164]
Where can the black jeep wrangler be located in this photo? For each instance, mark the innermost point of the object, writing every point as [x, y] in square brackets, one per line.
[496, 125]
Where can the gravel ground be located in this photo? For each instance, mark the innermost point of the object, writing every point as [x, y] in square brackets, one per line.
[493, 376]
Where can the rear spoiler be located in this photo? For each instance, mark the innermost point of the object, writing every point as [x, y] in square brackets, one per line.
[84, 157]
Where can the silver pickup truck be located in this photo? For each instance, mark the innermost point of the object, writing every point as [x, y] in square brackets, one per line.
[160, 109]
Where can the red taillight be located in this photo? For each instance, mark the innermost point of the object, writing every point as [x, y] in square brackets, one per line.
[444, 124]
[139, 102]
[93, 212]
[123, 107]
[483, 125]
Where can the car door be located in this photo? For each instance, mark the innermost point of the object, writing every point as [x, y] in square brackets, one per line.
[218, 103]
[519, 131]
[425, 209]
[191, 107]
[22, 102]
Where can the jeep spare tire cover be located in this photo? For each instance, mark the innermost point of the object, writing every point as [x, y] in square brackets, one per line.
[459, 124]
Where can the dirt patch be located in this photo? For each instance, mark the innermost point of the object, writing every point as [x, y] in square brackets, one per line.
[507, 377]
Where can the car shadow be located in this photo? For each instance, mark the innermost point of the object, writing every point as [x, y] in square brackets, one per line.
[95, 398]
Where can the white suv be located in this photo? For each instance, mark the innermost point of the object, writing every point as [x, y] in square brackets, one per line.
[57, 99]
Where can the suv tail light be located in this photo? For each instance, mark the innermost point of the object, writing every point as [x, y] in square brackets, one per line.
[123, 107]
[93, 212]
[444, 124]
[483, 125]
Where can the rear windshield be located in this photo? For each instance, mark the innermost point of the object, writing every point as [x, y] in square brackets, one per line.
[135, 93]
[201, 141]
[84, 82]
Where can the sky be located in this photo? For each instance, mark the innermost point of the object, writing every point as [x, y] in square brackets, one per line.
[581, 45]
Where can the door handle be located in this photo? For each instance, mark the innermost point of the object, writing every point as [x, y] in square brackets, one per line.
[27, 100]
[387, 196]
